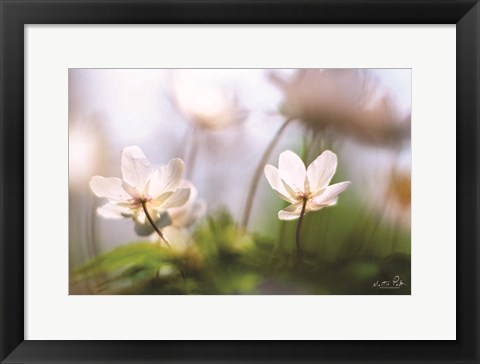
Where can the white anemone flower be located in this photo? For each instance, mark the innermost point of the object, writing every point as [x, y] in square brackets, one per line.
[306, 189]
[144, 192]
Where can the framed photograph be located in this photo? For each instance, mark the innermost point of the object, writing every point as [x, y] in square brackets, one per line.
[239, 181]
[184, 227]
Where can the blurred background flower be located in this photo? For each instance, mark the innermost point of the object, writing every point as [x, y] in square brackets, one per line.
[204, 103]
[177, 222]
[208, 105]
[87, 156]
[221, 122]
[194, 209]
[347, 102]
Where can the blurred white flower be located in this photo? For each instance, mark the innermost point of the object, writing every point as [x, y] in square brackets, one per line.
[351, 102]
[306, 189]
[206, 105]
[86, 142]
[142, 188]
[176, 221]
[186, 215]
[182, 238]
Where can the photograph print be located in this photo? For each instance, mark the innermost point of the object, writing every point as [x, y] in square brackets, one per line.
[240, 181]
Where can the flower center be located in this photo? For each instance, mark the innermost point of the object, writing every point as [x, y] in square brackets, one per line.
[141, 199]
[304, 195]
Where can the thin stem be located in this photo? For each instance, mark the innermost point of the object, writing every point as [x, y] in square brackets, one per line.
[144, 205]
[395, 237]
[94, 243]
[192, 155]
[182, 148]
[258, 172]
[299, 227]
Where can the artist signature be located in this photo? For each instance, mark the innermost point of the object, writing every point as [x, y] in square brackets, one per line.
[395, 283]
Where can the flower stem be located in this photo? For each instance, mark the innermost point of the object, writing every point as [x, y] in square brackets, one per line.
[192, 154]
[258, 172]
[299, 226]
[144, 205]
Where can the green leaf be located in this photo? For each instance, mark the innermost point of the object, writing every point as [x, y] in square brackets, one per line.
[134, 258]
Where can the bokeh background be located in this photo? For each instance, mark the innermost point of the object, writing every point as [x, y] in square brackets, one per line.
[221, 122]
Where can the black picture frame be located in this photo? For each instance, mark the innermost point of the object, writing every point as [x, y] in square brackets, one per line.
[16, 13]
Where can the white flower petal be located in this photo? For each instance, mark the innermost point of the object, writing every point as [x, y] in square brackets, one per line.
[188, 184]
[184, 215]
[273, 178]
[292, 170]
[314, 205]
[295, 194]
[180, 216]
[136, 168]
[177, 199]
[110, 188]
[180, 238]
[146, 229]
[330, 193]
[160, 200]
[321, 171]
[166, 178]
[291, 212]
[132, 191]
[113, 211]
[140, 217]
[198, 210]
[143, 229]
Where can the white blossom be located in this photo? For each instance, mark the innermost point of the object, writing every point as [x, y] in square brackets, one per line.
[141, 187]
[304, 186]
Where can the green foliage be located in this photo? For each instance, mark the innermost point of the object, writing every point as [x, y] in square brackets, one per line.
[224, 259]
